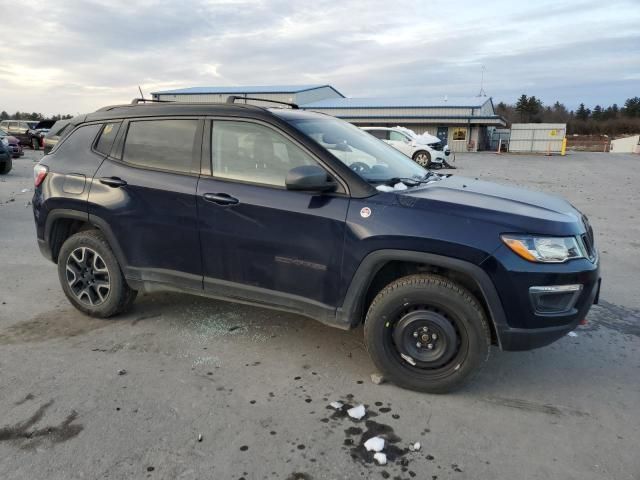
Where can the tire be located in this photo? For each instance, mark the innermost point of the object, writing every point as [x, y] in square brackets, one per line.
[6, 166]
[422, 158]
[85, 264]
[451, 315]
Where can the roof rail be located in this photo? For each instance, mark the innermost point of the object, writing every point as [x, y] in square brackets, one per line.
[136, 101]
[233, 98]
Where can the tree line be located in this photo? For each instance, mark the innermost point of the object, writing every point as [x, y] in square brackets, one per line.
[32, 116]
[611, 120]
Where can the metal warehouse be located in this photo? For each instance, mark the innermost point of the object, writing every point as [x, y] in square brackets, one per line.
[460, 122]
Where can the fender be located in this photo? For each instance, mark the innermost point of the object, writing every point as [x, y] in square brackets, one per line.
[352, 309]
[100, 224]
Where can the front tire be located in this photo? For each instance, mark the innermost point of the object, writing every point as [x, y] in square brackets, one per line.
[427, 333]
[422, 158]
[91, 277]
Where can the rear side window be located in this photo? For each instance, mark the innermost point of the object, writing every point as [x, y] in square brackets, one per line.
[107, 136]
[381, 134]
[163, 144]
[74, 153]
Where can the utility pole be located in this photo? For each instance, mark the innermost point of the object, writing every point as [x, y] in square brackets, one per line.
[482, 93]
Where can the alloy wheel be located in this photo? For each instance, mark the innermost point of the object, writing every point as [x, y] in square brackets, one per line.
[88, 276]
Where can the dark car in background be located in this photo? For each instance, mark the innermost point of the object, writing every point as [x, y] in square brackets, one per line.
[55, 133]
[12, 144]
[37, 133]
[5, 159]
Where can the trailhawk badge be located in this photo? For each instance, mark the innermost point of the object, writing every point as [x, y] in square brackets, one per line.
[365, 212]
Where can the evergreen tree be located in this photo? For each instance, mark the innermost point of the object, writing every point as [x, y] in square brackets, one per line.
[582, 113]
[522, 107]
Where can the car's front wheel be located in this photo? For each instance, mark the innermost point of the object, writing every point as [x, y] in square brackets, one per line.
[422, 158]
[427, 333]
[91, 277]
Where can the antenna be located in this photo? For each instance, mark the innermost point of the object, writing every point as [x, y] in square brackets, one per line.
[141, 94]
[482, 93]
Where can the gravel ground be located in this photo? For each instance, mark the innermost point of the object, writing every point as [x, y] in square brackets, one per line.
[184, 387]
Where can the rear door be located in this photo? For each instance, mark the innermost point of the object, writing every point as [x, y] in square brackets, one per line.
[144, 192]
[259, 240]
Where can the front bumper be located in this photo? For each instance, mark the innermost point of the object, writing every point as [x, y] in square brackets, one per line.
[527, 327]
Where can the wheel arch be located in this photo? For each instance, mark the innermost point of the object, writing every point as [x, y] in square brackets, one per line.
[381, 267]
[62, 223]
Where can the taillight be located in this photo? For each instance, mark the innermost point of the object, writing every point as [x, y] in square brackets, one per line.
[39, 173]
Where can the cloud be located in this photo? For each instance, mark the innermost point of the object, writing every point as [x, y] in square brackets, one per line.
[85, 54]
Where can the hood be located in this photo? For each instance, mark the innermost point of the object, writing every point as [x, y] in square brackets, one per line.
[517, 209]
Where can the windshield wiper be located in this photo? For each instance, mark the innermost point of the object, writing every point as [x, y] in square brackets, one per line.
[409, 181]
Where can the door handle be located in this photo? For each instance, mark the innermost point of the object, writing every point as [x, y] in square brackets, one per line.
[220, 198]
[113, 182]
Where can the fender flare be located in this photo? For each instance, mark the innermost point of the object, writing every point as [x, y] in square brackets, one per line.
[97, 222]
[352, 309]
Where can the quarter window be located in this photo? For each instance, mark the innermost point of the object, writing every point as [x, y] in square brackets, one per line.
[163, 144]
[459, 133]
[107, 136]
[254, 153]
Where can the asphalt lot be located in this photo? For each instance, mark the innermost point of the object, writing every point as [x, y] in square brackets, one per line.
[256, 383]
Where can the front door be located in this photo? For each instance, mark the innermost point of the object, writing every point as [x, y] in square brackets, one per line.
[443, 135]
[260, 241]
[401, 142]
[146, 194]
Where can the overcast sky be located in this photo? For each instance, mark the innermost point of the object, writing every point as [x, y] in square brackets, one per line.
[73, 56]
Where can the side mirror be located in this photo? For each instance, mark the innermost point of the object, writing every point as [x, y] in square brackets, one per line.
[311, 178]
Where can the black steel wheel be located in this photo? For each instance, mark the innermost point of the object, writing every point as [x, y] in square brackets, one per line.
[427, 333]
[91, 277]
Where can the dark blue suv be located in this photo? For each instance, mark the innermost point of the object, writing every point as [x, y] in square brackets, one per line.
[303, 212]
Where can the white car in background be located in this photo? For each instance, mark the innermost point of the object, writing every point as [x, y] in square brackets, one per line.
[426, 150]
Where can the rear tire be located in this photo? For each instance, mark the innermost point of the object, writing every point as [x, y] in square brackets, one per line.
[422, 158]
[427, 333]
[6, 166]
[91, 277]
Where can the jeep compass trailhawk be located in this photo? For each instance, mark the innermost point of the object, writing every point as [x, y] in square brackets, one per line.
[303, 212]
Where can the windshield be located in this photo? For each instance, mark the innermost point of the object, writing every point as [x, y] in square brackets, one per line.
[372, 159]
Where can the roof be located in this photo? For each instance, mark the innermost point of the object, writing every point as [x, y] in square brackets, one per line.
[401, 102]
[243, 89]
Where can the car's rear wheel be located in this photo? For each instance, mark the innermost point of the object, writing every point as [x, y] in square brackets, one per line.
[422, 158]
[427, 333]
[91, 277]
[6, 165]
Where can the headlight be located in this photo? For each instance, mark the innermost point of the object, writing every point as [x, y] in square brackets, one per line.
[544, 249]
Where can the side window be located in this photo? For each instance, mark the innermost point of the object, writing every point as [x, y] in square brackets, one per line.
[397, 136]
[254, 153]
[164, 144]
[107, 136]
[381, 134]
[78, 143]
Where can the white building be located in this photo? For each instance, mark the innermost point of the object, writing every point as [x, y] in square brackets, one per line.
[460, 122]
[626, 145]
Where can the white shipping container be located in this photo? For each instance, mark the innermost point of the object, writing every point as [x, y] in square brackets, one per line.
[537, 137]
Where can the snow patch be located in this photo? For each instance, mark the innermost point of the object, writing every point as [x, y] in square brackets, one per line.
[374, 443]
[381, 458]
[357, 412]
[336, 405]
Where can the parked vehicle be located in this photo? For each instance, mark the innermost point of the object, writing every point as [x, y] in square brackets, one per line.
[251, 204]
[55, 133]
[18, 129]
[12, 143]
[37, 133]
[426, 151]
[5, 159]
